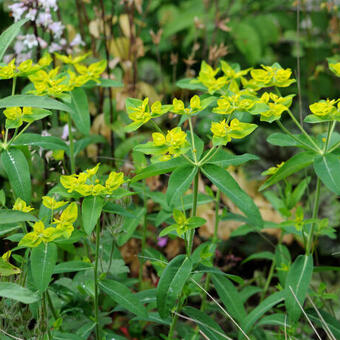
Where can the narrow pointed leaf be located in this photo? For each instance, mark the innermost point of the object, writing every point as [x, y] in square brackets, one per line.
[15, 292]
[298, 278]
[14, 216]
[17, 170]
[179, 182]
[171, 283]
[91, 209]
[43, 260]
[230, 297]
[45, 142]
[328, 169]
[226, 183]
[123, 296]
[80, 110]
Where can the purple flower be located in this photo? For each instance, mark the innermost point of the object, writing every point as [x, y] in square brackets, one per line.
[162, 241]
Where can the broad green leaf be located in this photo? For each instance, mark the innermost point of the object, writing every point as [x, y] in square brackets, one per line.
[332, 323]
[225, 182]
[171, 283]
[208, 326]
[15, 216]
[117, 209]
[43, 260]
[282, 263]
[159, 168]
[45, 142]
[179, 182]
[266, 305]
[298, 279]
[9, 35]
[91, 209]
[229, 296]
[15, 292]
[34, 101]
[263, 255]
[123, 296]
[224, 158]
[293, 165]
[327, 168]
[281, 139]
[129, 226]
[71, 266]
[205, 269]
[80, 110]
[187, 83]
[17, 170]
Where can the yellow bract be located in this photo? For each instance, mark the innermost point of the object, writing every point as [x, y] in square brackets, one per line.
[335, 68]
[141, 113]
[8, 71]
[64, 225]
[38, 235]
[86, 185]
[72, 60]
[179, 108]
[21, 205]
[51, 203]
[272, 170]
[323, 108]
[16, 116]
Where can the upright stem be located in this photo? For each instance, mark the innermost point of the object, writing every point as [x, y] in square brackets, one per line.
[314, 216]
[96, 307]
[142, 259]
[193, 147]
[14, 85]
[191, 233]
[70, 137]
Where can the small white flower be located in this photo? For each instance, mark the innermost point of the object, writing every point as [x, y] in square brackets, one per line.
[77, 41]
[22, 57]
[44, 19]
[18, 10]
[31, 14]
[57, 29]
[18, 47]
[30, 40]
[65, 132]
[54, 47]
[47, 4]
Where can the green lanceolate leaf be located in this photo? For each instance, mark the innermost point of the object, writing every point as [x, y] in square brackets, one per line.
[91, 209]
[179, 182]
[71, 266]
[159, 168]
[327, 168]
[332, 323]
[260, 310]
[263, 255]
[171, 283]
[9, 35]
[14, 216]
[298, 280]
[208, 326]
[229, 296]
[80, 110]
[15, 292]
[225, 182]
[224, 158]
[34, 101]
[123, 296]
[17, 170]
[43, 260]
[282, 263]
[45, 142]
[293, 165]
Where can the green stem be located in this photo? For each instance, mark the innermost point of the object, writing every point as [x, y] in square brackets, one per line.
[142, 259]
[174, 320]
[334, 147]
[96, 306]
[155, 125]
[191, 233]
[314, 216]
[70, 135]
[14, 85]
[269, 279]
[331, 126]
[299, 125]
[295, 138]
[19, 134]
[193, 147]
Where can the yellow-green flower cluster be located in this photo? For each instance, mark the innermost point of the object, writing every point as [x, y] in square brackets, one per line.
[63, 225]
[270, 76]
[326, 109]
[56, 84]
[140, 111]
[275, 106]
[179, 108]
[224, 132]
[25, 68]
[16, 116]
[87, 184]
[335, 68]
[170, 146]
[229, 104]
